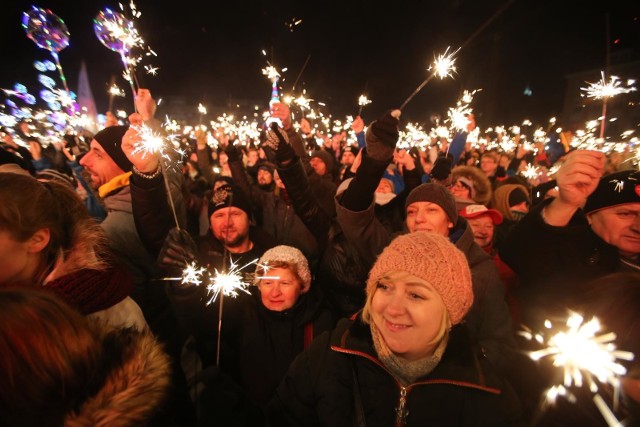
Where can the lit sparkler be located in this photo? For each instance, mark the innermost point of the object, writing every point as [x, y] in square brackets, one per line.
[584, 355]
[443, 66]
[605, 90]
[362, 101]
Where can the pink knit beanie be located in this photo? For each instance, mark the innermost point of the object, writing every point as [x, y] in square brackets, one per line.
[434, 259]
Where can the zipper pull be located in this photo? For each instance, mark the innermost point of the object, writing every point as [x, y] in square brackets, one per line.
[401, 411]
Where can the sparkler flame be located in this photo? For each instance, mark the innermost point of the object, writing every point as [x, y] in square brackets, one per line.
[444, 64]
[228, 283]
[605, 90]
[584, 354]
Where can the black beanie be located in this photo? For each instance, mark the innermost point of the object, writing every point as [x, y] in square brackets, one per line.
[434, 193]
[110, 139]
[325, 157]
[227, 196]
[518, 196]
[618, 188]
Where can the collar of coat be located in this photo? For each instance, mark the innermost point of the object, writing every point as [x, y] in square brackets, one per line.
[461, 363]
[116, 183]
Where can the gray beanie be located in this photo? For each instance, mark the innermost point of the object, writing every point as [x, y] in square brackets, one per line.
[434, 193]
[287, 254]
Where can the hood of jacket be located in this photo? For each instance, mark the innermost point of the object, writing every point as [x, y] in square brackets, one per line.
[133, 385]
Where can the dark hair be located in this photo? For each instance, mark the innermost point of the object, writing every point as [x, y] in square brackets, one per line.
[50, 356]
[29, 205]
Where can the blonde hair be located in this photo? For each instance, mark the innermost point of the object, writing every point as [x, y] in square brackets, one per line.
[392, 276]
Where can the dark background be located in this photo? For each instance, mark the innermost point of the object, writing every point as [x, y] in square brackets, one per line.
[210, 51]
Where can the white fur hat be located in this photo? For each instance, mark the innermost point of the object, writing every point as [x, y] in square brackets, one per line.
[287, 254]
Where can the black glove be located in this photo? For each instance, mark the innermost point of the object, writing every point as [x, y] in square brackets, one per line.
[382, 136]
[177, 252]
[442, 168]
[233, 152]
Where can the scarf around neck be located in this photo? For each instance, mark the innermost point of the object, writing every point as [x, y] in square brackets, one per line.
[403, 370]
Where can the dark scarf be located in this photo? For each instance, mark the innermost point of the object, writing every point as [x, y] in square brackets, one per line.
[90, 290]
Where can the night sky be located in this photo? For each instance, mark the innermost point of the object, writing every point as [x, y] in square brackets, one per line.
[210, 51]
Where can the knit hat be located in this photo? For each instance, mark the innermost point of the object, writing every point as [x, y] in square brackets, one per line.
[227, 196]
[351, 149]
[110, 139]
[518, 196]
[618, 188]
[501, 199]
[269, 167]
[474, 211]
[287, 254]
[325, 157]
[442, 265]
[434, 193]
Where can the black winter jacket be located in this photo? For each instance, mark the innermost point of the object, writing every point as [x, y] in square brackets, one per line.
[320, 388]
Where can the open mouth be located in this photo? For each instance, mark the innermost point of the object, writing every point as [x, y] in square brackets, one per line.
[395, 327]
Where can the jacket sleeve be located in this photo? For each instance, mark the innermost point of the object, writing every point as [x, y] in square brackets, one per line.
[364, 231]
[151, 211]
[304, 203]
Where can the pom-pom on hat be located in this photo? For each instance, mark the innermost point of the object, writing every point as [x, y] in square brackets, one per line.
[618, 188]
[442, 265]
[434, 193]
[287, 254]
[110, 139]
[227, 196]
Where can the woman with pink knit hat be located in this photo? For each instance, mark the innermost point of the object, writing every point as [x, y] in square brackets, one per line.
[406, 359]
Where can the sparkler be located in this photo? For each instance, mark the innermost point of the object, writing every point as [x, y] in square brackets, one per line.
[605, 90]
[443, 66]
[585, 356]
[153, 143]
[226, 284]
[362, 101]
[202, 110]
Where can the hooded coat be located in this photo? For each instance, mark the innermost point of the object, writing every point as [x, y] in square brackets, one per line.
[133, 383]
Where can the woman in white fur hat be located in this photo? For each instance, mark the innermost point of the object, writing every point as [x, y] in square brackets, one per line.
[261, 335]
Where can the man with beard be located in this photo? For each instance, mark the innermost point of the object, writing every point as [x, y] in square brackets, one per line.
[117, 182]
[272, 208]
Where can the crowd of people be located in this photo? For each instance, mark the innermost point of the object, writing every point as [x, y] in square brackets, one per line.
[386, 286]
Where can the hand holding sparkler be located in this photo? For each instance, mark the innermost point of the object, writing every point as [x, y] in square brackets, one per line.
[145, 104]
[577, 178]
[143, 161]
[357, 125]
[382, 136]
[280, 111]
[179, 250]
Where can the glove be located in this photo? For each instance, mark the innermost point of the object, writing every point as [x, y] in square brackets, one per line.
[278, 141]
[382, 136]
[233, 152]
[441, 168]
[177, 252]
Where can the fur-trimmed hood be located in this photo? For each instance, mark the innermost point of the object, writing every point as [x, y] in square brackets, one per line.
[481, 183]
[132, 385]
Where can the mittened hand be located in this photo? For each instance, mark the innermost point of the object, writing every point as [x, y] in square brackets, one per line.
[178, 251]
[276, 136]
[382, 136]
[233, 153]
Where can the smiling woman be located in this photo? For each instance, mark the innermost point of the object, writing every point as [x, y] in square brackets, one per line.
[405, 357]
